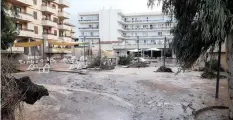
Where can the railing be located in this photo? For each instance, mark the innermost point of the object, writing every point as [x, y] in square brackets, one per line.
[89, 28]
[88, 20]
[49, 20]
[43, 5]
[131, 21]
[90, 36]
[45, 33]
[25, 29]
[152, 28]
[64, 2]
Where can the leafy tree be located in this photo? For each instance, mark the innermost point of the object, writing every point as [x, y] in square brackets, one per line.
[8, 29]
[201, 24]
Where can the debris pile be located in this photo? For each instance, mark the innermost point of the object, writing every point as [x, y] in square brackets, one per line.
[164, 69]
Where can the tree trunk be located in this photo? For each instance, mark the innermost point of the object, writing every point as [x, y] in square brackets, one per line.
[229, 53]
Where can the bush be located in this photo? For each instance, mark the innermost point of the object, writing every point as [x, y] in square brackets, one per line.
[213, 65]
[104, 64]
[124, 60]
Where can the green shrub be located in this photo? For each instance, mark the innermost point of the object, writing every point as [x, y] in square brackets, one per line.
[213, 65]
[124, 60]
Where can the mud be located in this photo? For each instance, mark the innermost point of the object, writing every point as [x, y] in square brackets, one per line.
[126, 94]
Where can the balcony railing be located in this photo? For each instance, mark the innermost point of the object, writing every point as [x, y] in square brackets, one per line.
[64, 26]
[49, 22]
[64, 3]
[63, 14]
[23, 16]
[151, 28]
[134, 46]
[138, 21]
[94, 20]
[89, 36]
[48, 33]
[26, 32]
[89, 28]
[49, 9]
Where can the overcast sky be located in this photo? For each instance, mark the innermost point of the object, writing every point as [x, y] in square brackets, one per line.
[127, 6]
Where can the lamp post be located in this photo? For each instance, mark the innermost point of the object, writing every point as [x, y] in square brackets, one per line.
[218, 72]
[43, 51]
[138, 47]
[100, 52]
[165, 41]
[84, 39]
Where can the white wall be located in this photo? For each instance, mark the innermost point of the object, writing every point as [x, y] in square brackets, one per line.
[108, 25]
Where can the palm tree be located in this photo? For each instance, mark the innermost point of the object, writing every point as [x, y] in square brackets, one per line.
[201, 24]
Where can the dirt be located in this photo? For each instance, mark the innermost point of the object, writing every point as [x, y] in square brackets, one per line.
[125, 94]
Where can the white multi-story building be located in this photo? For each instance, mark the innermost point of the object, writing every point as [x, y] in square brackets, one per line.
[39, 19]
[150, 29]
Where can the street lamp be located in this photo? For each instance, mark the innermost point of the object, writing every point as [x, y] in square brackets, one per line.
[138, 47]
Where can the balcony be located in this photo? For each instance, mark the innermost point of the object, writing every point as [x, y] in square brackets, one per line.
[20, 16]
[64, 26]
[22, 2]
[142, 21]
[134, 46]
[89, 28]
[48, 22]
[88, 21]
[145, 29]
[26, 33]
[63, 14]
[145, 37]
[64, 3]
[48, 9]
[14, 50]
[50, 36]
[65, 38]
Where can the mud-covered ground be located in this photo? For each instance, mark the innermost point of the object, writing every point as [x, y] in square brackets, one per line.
[125, 94]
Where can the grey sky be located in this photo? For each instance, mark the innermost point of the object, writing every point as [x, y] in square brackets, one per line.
[127, 6]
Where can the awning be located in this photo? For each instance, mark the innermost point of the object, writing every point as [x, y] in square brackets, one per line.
[153, 49]
[61, 43]
[28, 44]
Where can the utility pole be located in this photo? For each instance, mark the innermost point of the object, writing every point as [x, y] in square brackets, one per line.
[49, 52]
[84, 39]
[138, 47]
[218, 73]
[100, 52]
[165, 41]
[43, 52]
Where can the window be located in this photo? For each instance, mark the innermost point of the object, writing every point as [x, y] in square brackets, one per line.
[35, 2]
[144, 26]
[136, 34]
[145, 34]
[35, 15]
[55, 32]
[36, 29]
[144, 41]
[91, 33]
[153, 41]
[159, 33]
[18, 26]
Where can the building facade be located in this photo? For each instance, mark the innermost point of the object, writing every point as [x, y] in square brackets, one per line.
[149, 29]
[39, 19]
